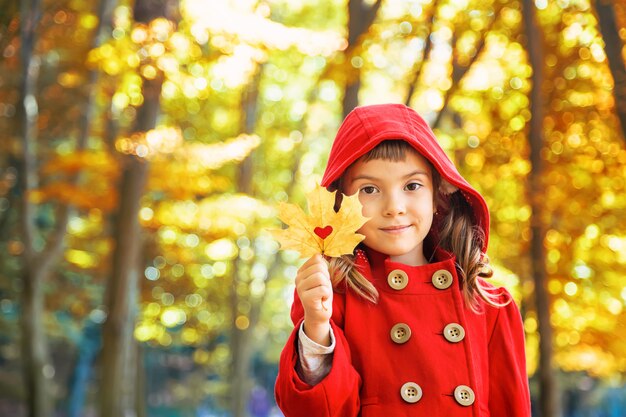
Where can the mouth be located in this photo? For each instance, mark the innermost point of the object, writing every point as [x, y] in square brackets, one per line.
[396, 229]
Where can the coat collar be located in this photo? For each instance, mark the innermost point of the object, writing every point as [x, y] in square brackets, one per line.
[377, 267]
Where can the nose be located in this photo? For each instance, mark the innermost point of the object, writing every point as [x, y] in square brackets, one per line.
[394, 205]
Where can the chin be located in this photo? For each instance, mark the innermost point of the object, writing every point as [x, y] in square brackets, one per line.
[399, 253]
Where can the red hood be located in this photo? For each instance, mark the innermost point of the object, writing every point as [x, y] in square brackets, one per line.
[367, 126]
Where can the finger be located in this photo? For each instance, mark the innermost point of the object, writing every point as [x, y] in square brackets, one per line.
[316, 295]
[314, 271]
[318, 279]
[315, 259]
[311, 271]
[319, 265]
[326, 303]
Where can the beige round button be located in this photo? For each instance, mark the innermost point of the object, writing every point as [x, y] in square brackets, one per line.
[397, 279]
[400, 333]
[454, 332]
[442, 279]
[411, 392]
[464, 395]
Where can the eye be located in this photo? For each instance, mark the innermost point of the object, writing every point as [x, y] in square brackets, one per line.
[368, 189]
[413, 186]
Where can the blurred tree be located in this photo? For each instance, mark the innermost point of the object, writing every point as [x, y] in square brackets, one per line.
[251, 96]
[361, 15]
[462, 61]
[90, 343]
[247, 276]
[492, 104]
[241, 339]
[118, 345]
[607, 21]
[45, 209]
[548, 390]
[36, 263]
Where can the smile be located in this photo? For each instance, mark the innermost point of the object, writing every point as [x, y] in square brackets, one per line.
[396, 229]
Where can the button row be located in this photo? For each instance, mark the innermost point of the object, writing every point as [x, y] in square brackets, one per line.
[398, 279]
[401, 333]
[412, 393]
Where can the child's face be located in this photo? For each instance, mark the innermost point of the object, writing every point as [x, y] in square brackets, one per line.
[398, 199]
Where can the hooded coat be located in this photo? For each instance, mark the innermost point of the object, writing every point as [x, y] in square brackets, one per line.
[420, 351]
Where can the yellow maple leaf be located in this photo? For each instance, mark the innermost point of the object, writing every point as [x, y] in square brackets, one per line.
[323, 230]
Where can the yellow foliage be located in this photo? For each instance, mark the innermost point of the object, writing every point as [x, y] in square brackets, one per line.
[215, 155]
[185, 173]
[82, 259]
[96, 183]
[75, 162]
[154, 142]
[210, 219]
[257, 30]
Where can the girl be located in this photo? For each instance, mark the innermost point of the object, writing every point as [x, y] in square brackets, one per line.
[406, 326]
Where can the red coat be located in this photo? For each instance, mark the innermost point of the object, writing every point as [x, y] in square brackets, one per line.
[479, 373]
[420, 351]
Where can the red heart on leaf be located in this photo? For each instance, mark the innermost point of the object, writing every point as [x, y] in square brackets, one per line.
[323, 232]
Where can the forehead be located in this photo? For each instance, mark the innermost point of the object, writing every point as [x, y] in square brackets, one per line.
[411, 162]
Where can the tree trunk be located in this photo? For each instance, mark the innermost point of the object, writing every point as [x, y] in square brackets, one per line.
[118, 396]
[547, 379]
[351, 96]
[34, 349]
[35, 355]
[360, 18]
[140, 391]
[241, 343]
[105, 10]
[121, 306]
[613, 49]
[241, 355]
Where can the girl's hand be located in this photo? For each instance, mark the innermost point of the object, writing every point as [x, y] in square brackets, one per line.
[316, 294]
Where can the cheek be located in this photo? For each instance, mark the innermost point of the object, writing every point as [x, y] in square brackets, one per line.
[427, 202]
[368, 208]
[428, 212]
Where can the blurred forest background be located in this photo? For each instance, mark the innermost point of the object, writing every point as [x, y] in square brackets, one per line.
[145, 145]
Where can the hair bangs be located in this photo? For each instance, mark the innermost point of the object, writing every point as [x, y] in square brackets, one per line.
[389, 150]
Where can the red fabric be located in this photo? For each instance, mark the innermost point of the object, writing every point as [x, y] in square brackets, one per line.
[367, 126]
[369, 369]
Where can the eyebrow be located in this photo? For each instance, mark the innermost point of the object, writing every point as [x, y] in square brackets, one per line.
[411, 174]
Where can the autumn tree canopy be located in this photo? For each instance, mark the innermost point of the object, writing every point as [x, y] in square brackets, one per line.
[245, 98]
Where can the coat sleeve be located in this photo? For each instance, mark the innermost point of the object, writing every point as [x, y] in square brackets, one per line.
[508, 382]
[337, 395]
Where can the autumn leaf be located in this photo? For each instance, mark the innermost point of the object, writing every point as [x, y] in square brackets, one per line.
[323, 230]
